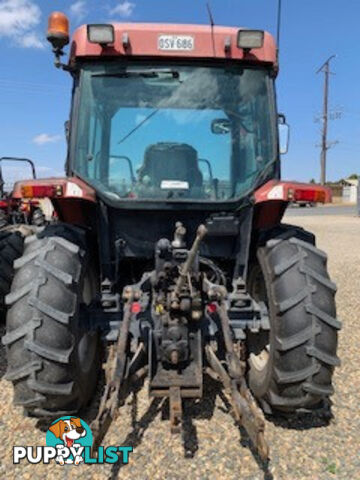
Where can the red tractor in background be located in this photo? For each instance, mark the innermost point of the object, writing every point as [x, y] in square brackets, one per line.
[18, 211]
[169, 257]
[15, 216]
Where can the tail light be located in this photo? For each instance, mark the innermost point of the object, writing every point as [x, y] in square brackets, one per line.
[308, 195]
[41, 191]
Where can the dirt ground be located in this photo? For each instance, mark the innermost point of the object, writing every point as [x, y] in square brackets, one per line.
[212, 445]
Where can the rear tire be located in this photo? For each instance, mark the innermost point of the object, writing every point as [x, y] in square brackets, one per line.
[293, 368]
[11, 247]
[52, 361]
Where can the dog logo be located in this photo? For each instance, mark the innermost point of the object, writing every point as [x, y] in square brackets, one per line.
[69, 442]
[69, 435]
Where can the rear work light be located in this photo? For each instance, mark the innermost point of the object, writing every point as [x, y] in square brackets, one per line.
[249, 39]
[101, 34]
[41, 191]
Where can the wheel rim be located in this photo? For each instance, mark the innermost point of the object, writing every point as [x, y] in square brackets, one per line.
[260, 361]
[257, 288]
[88, 342]
[87, 347]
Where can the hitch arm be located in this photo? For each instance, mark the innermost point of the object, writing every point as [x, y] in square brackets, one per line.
[115, 372]
[245, 409]
[186, 268]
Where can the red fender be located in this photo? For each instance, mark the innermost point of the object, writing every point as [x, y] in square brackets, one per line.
[73, 200]
[272, 199]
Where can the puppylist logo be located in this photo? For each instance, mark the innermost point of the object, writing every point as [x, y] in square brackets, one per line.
[68, 442]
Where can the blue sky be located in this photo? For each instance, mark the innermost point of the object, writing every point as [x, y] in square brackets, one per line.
[35, 97]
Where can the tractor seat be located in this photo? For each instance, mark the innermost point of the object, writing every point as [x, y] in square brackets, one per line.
[171, 161]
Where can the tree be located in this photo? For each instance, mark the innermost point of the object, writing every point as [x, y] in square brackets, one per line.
[353, 176]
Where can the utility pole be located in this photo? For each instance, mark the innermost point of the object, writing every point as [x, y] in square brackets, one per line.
[278, 28]
[324, 144]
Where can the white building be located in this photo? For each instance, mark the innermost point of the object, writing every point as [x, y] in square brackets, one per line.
[350, 190]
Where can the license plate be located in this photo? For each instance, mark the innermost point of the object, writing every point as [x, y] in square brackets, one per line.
[176, 42]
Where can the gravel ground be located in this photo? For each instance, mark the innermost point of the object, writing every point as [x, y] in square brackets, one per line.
[212, 446]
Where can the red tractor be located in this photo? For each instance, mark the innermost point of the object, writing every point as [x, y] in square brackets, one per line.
[15, 217]
[170, 257]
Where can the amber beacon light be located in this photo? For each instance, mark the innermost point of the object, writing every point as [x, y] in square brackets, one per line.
[58, 30]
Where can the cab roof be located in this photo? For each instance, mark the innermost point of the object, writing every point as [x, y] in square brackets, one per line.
[143, 41]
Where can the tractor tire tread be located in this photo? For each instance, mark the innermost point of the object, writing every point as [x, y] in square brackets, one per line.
[40, 335]
[305, 326]
[11, 247]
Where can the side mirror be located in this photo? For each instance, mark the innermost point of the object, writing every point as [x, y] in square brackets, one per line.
[284, 134]
[220, 126]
